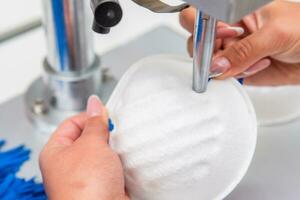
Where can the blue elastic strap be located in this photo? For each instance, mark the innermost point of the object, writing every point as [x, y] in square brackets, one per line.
[241, 81]
[111, 126]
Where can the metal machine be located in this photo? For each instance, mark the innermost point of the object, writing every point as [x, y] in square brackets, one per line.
[72, 70]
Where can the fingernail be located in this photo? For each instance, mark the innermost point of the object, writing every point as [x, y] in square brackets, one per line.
[220, 65]
[94, 106]
[259, 66]
[239, 30]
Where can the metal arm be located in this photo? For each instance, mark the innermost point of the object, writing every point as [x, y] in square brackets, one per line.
[204, 40]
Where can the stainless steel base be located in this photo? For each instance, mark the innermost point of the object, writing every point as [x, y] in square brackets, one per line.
[274, 173]
[61, 96]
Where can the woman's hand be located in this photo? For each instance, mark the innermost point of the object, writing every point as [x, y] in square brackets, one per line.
[77, 162]
[267, 53]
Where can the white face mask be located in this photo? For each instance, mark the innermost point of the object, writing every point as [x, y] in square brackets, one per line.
[176, 144]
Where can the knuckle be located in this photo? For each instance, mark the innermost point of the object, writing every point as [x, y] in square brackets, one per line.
[279, 31]
[242, 50]
[280, 37]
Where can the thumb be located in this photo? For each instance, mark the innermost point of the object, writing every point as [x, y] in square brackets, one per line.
[97, 122]
[238, 57]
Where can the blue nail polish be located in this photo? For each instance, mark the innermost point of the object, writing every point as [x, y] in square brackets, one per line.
[111, 126]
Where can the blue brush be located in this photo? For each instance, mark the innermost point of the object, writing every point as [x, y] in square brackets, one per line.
[11, 186]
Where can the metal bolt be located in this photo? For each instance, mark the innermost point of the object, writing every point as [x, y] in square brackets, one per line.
[39, 107]
[105, 74]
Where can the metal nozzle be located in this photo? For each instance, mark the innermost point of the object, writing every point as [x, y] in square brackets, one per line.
[204, 40]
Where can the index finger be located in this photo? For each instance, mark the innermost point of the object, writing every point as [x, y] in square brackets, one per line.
[187, 21]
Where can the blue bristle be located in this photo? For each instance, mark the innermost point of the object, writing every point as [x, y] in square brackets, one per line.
[11, 186]
[6, 183]
[2, 143]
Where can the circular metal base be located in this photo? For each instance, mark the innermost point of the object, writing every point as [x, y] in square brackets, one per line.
[46, 117]
[57, 96]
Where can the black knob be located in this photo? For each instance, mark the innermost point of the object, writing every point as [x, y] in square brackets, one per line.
[107, 13]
